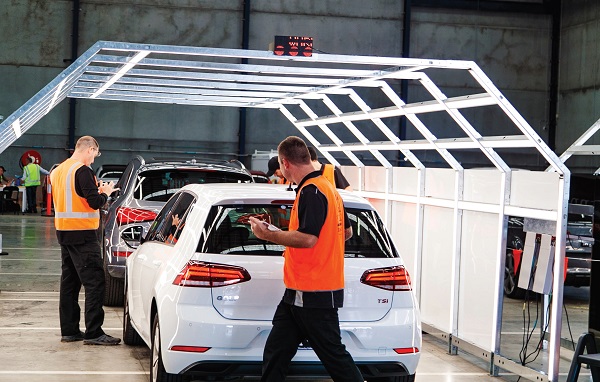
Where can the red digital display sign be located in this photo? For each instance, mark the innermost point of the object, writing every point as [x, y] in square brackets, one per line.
[293, 46]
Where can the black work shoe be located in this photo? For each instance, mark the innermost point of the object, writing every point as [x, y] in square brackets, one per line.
[104, 339]
[73, 338]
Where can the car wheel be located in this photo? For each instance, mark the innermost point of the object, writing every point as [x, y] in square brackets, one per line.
[511, 280]
[157, 369]
[405, 378]
[113, 289]
[130, 335]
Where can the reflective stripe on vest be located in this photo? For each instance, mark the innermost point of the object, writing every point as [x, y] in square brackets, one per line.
[328, 173]
[32, 171]
[71, 211]
[320, 268]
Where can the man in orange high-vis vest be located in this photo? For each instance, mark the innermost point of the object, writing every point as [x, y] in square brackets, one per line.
[77, 199]
[329, 171]
[313, 271]
[274, 169]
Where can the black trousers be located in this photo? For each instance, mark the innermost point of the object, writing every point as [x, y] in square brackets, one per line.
[81, 264]
[321, 327]
[30, 192]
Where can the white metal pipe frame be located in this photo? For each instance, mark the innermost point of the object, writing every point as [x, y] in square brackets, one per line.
[450, 223]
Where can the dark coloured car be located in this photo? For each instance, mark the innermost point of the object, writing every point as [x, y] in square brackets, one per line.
[145, 187]
[110, 172]
[260, 177]
[578, 250]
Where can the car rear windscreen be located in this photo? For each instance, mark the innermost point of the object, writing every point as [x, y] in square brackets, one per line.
[160, 185]
[228, 231]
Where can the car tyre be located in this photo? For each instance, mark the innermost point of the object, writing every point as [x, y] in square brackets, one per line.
[113, 289]
[405, 378]
[511, 279]
[157, 369]
[130, 335]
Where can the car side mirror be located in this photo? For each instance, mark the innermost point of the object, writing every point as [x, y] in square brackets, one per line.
[133, 236]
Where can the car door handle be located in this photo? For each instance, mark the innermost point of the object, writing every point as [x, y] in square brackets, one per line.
[156, 263]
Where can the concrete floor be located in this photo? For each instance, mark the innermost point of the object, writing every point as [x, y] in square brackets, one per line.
[30, 337]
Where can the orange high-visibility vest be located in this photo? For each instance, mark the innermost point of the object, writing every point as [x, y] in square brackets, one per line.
[328, 173]
[71, 211]
[283, 181]
[320, 268]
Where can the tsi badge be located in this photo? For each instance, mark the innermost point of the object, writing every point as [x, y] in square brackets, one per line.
[228, 298]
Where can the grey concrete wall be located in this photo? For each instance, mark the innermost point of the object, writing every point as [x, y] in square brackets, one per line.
[512, 49]
[579, 102]
[514, 52]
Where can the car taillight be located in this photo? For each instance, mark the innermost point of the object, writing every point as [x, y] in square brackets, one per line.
[191, 349]
[126, 215]
[122, 253]
[210, 275]
[406, 350]
[391, 278]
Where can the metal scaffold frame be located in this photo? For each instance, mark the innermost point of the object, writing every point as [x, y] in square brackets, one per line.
[579, 147]
[293, 85]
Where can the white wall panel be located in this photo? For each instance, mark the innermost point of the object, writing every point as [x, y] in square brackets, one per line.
[477, 285]
[439, 183]
[375, 179]
[403, 231]
[534, 189]
[406, 181]
[436, 283]
[482, 186]
[352, 175]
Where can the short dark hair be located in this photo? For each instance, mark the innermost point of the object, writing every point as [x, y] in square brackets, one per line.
[30, 159]
[313, 153]
[3, 169]
[294, 149]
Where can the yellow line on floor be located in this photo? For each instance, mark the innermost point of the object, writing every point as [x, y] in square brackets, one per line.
[42, 328]
[32, 248]
[65, 372]
[36, 260]
[13, 292]
[29, 274]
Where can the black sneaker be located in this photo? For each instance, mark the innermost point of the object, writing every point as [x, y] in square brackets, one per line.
[104, 339]
[73, 338]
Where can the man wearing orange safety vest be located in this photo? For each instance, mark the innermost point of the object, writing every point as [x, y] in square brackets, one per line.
[313, 271]
[275, 170]
[329, 171]
[77, 198]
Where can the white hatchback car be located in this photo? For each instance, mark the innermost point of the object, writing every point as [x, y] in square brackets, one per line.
[201, 289]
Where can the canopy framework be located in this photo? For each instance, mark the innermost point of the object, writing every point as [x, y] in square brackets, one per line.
[213, 77]
[294, 85]
[580, 146]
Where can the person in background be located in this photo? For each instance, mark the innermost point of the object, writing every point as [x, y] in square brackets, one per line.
[4, 180]
[275, 170]
[77, 198]
[31, 180]
[329, 171]
[313, 271]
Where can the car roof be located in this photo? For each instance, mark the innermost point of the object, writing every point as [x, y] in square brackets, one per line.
[235, 193]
